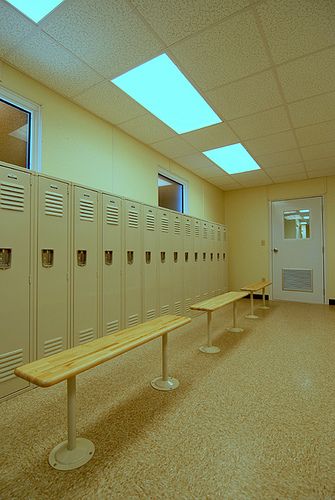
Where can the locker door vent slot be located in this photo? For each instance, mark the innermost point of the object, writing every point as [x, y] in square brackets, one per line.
[165, 225]
[197, 230]
[212, 233]
[81, 258]
[219, 235]
[47, 257]
[186, 256]
[130, 257]
[86, 335]
[147, 257]
[5, 258]
[112, 215]
[11, 196]
[133, 320]
[197, 298]
[150, 221]
[133, 218]
[8, 362]
[177, 307]
[224, 256]
[165, 309]
[188, 303]
[188, 228]
[112, 327]
[175, 257]
[195, 256]
[86, 210]
[299, 280]
[205, 233]
[53, 346]
[108, 257]
[54, 204]
[211, 257]
[224, 235]
[177, 226]
[217, 256]
[151, 313]
[204, 256]
[163, 256]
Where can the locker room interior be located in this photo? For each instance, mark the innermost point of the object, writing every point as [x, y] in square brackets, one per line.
[86, 250]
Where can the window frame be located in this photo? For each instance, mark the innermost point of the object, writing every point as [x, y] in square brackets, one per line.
[179, 180]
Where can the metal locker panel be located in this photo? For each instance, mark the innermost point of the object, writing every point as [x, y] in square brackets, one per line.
[197, 261]
[85, 265]
[205, 273]
[164, 262]
[218, 259]
[15, 276]
[189, 264]
[132, 263]
[225, 258]
[177, 263]
[212, 260]
[150, 263]
[111, 264]
[52, 264]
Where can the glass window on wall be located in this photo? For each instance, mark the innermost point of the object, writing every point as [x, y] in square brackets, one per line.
[170, 194]
[297, 224]
[15, 134]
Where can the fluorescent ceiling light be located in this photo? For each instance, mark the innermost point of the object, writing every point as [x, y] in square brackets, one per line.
[35, 9]
[304, 211]
[160, 87]
[232, 159]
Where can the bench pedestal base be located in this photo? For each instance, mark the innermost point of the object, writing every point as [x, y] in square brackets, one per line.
[165, 385]
[61, 458]
[209, 349]
[252, 316]
[264, 307]
[235, 329]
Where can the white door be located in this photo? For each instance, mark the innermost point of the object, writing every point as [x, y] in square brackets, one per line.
[297, 250]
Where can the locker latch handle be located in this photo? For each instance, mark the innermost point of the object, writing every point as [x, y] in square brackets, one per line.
[217, 256]
[204, 256]
[186, 256]
[47, 257]
[5, 258]
[196, 256]
[224, 256]
[162, 257]
[147, 257]
[211, 257]
[81, 258]
[175, 256]
[130, 256]
[108, 257]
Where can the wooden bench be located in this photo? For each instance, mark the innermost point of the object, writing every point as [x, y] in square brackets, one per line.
[65, 365]
[254, 287]
[213, 304]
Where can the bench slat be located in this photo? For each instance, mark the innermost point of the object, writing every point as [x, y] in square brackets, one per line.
[61, 366]
[253, 287]
[219, 301]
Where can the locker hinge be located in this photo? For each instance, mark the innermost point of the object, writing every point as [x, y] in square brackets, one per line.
[29, 280]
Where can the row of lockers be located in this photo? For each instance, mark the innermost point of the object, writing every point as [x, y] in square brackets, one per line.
[76, 264]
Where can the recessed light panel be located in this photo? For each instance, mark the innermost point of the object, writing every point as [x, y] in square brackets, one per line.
[35, 9]
[160, 87]
[232, 159]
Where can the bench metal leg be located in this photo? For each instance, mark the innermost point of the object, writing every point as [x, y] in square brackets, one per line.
[264, 306]
[251, 315]
[165, 383]
[209, 348]
[235, 328]
[74, 452]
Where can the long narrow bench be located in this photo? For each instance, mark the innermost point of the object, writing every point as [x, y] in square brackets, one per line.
[65, 365]
[213, 304]
[252, 288]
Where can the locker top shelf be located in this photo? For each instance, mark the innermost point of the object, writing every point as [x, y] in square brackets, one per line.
[253, 287]
[61, 366]
[219, 301]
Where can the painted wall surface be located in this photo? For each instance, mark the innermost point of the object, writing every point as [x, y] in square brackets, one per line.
[80, 147]
[247, 217]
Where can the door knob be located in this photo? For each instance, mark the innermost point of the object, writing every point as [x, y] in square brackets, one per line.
[275, 250]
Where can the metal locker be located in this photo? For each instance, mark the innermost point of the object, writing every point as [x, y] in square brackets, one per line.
[132, 263]
[164, 262]
[53, 267]
[205, 275]
[85, 265]
[225, 258]
[177, 263]
[111, 264]
[211, 260]
[150, 263]
[189, 264]
[218, 259]
[197, 261]
[15, 276]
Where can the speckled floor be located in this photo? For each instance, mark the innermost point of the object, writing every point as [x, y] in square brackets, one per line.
[255, 421]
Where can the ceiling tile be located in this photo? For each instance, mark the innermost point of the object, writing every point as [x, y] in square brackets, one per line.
[285, 170]
[109, 102]
[308, 76]
[297, 27]
[260, 124]
[316, 151]
[271, 143]
[316, 109]
[147, 129]
[278, 159]
[228, 51]
[109, 36]
[301, 176]
[173, 147]
[44, 59]
[324, 172]
[316, 134]
[211, 137]
[174, 20]
[196, 162]
[320, 164]
[13, 28]
[250, 95]
[257, 178]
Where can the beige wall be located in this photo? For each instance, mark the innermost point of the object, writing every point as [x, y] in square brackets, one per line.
[80, 147]
[247, 218]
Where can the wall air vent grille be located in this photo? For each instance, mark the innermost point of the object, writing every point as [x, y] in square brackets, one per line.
[299, 280]
[11, 196]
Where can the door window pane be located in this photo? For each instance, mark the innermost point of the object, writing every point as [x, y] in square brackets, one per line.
[297, 224]
[14, 134]
[170, 194]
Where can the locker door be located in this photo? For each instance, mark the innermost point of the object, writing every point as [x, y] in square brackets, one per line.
[111, 263]
[150, 263]
[197, 261]
[177, 263]
[225, 258]
[218, 260]
[211, 260]
[53, 295]
[205, 273]
[189, 264]
[15, 271]
[85, 268]
[132, 263]
[164, 263]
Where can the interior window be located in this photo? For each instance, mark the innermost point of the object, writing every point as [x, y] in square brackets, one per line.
[297, 224]
[15, 134]
[170, 194]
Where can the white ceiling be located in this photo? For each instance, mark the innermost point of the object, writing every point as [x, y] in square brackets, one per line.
[267, 67]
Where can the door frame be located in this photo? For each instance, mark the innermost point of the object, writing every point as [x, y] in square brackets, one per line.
[323, 249]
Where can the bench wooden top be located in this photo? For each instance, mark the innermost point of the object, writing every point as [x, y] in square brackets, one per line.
[219, 301]
[63, 365]
[253, 287]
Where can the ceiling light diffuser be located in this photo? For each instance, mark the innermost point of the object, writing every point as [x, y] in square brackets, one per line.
[160, 87]
[233, 159]
[35, 9]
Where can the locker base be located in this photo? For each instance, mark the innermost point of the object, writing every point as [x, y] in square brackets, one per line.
[264, 307]
[209, 349]
[61, 458]
[235, 329]
[165, 385]
[251, 316]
